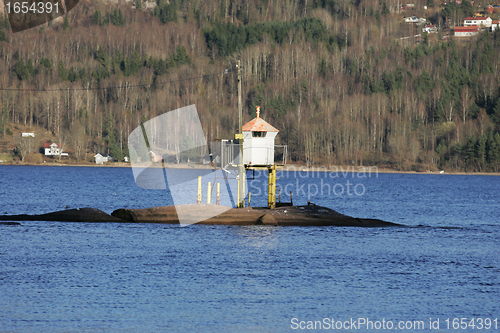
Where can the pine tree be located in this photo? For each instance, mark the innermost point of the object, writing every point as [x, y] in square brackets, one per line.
[21, 70]
[66, 23]
[3, 36]
[63, 73]
[469, 151]
[72, 77]
[29, 67]
[97, 18]
[481, 151]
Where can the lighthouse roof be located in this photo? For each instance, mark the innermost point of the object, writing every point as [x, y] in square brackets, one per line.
[258, 124]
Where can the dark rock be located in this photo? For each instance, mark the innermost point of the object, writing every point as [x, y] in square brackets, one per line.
[70, 215]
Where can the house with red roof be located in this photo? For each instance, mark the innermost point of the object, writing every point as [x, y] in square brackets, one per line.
[495, 24]
[467, 31]
[479, 21]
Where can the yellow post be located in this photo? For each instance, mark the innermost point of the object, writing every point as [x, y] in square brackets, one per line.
[238, 198]
[217, 202]
[199, 190]
[209, 194]
[271, 195]
[249, 198]
[279, 196]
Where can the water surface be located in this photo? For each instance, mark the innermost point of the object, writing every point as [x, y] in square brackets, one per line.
[57, 276]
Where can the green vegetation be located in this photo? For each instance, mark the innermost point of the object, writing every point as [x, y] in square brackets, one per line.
[335, 77]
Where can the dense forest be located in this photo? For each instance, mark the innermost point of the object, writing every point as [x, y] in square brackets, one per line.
[338, 78]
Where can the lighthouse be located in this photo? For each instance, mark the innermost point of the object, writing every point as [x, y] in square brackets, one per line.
[258, 142]
[258, 151]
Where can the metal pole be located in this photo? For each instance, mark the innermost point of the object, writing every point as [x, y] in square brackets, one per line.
[241, 167]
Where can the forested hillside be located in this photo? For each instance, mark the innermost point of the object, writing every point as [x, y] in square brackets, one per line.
[334, 76]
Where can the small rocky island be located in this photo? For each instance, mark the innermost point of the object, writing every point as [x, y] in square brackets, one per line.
[307, 215]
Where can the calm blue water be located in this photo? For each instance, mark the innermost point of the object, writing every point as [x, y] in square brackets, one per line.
[57, 276]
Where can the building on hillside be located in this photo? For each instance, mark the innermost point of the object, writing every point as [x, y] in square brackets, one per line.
[27, 135]
[479, 21]
[467, 31]
[53, 149]
[495, 25]
[430, 29]
[414, 19]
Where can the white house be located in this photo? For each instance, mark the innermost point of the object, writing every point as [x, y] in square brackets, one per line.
[479, 21]
[102, 158]
[156, 157]
[52, 149]
[258, 142]
[467, 31]
[27, 135]
[495, 25]
[430, 28]
[415, 19]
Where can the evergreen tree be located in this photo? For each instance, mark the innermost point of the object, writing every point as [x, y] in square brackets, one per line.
[72, 76]
[481, 151]
[45, 62]
[441, 150]
[496, 113]
[466, 8]
[66, 23]
[492, 149]
[165, 12]
[82, 74]
[21, 70]
[97, 18]
[29, 67]
[3, 36]
[470, 150]
[181, 57]
[101, 57]
[63, 73]
[110, 139]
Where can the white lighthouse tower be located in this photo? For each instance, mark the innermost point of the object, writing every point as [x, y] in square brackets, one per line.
[258, 142]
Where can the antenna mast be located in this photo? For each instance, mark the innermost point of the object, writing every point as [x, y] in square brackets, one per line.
[239, 136]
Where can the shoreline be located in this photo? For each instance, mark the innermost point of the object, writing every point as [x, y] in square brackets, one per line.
[300, 168]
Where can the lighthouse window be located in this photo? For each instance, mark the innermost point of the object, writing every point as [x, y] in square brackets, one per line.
[259, 134]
